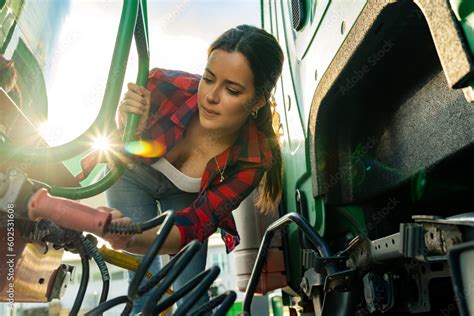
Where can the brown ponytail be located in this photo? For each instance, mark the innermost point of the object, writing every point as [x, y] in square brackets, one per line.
[270, 188]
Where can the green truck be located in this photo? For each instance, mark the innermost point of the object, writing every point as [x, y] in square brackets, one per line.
[377, 131]
[377, 126]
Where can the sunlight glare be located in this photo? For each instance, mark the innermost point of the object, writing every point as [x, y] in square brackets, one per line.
[101, 143]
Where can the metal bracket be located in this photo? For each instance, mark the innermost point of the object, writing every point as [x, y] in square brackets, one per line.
[378, 292]
[310, 281]
[422, 273]
[61, 281]
[340, 281]
[310, 259]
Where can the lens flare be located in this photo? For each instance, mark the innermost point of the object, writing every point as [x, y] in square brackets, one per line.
[101, 143]
[145, 149]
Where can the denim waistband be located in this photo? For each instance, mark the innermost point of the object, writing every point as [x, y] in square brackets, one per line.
[155, 181]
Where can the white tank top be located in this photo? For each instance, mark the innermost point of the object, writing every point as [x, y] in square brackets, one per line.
[180, 180]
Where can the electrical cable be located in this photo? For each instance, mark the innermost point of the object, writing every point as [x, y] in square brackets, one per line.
[211, 275]
[173, 271]
[226, 303]
[104, 271]
[77, 241]
[169, 301]
[225, 300]
[189, 250]
[167, 218]
[162, 234]
[161, 281]
[107, 305]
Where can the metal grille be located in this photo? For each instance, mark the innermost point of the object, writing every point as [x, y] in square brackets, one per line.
[298, 13]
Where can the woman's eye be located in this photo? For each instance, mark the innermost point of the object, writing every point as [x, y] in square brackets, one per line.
[206, 79]
[233, 92]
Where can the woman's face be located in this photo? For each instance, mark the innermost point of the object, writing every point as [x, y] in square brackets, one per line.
[226, 92]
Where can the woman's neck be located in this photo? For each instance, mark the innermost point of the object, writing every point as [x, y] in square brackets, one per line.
[221, 138]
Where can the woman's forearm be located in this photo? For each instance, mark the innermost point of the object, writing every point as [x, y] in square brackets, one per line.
[140, 244]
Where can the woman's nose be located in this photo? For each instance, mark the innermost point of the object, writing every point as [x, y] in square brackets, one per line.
[213, 96]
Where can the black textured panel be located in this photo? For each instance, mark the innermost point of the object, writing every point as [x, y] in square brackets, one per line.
[298, 13]
[389, 113]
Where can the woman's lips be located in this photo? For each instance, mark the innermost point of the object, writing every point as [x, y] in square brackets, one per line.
[210, 112]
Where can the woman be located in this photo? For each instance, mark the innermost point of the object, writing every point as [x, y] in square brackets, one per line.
[214, 143]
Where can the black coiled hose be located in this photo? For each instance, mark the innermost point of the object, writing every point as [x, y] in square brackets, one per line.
[169, 273]
[198, 285]
[78, 244]
[107, 305]
[225, 300]
[104, 271]
[187, 252]
[167, 218]
[208, 277]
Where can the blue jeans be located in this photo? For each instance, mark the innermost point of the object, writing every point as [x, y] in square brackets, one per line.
[141, 193]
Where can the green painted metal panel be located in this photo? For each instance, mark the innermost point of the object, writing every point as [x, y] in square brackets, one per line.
[293, 105]
[31, 83]
[464, 11]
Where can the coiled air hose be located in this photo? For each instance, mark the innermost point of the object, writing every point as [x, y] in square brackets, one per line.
[78, 244]
[104, 271]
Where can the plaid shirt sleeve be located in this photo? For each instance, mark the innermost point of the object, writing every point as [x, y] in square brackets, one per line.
[213, 207]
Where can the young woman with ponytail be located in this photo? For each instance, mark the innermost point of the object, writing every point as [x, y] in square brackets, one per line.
[212, 144]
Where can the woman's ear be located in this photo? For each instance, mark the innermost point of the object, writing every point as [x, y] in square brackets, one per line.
[260, 103]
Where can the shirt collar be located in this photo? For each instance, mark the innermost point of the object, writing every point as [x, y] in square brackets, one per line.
[185, 112]
[247, 146]
[251, 146]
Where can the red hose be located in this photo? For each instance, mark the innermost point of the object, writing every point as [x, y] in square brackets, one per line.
[67, 213]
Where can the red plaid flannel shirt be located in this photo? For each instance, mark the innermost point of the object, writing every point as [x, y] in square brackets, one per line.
[173, 103]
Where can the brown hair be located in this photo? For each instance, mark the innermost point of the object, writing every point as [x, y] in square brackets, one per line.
[266, 60]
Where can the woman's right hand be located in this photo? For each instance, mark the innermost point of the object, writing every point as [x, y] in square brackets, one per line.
[118, 242]
[137, 101]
